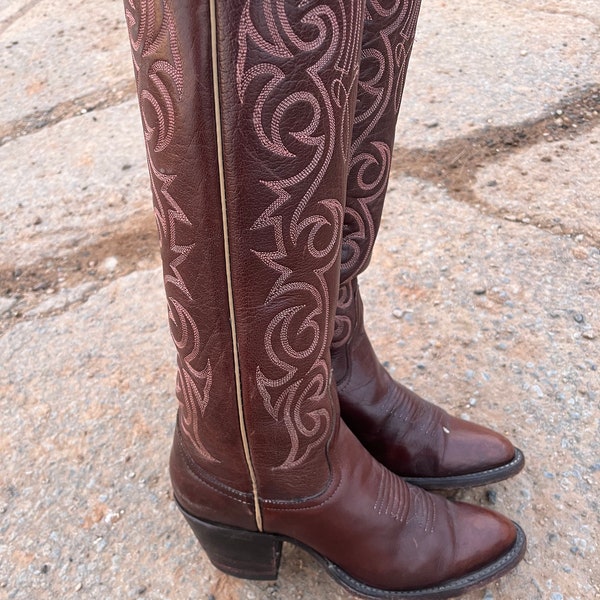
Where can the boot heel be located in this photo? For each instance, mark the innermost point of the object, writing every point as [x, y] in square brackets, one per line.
[244, 554]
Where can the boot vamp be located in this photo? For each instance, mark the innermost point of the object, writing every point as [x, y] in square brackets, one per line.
[412, 436]
[386, 533]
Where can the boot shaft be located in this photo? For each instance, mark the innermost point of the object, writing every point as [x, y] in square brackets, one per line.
[387, 41]
[247, 110]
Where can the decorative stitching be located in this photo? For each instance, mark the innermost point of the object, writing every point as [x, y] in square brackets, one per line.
[387, 42]
[294, 383]
[154, 45]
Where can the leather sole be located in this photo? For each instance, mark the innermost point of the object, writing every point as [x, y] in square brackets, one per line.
[469, 480]
[255, 555]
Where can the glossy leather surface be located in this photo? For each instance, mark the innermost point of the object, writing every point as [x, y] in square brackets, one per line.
[409, 435]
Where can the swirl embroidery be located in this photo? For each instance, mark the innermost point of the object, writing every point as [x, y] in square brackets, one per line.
[158, 69]
[388, 39]
[387, 42]
[304, 223]
[343, 316]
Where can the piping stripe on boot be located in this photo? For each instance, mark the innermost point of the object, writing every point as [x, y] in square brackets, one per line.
[236, 362]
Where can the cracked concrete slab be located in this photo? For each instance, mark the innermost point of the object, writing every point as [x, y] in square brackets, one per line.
[57, 51]
[67, 183]
[511, 66]
[12, 10]
[552, 184]
[575, 8]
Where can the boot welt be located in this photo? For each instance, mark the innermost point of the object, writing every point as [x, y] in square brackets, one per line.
[469, 480]
[254, 555]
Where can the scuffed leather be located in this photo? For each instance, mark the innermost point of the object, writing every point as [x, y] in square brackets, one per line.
[387, 533]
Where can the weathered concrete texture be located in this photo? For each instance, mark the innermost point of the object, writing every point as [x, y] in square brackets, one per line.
[572, 8]
[57, 51]
[483, 294]
[66, 183]
[564, 196]
[493, 63]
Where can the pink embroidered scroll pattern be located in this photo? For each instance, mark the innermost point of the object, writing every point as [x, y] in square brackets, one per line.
[387, 42]
[304, 224]
[159, 74]
[343, 316]
[389, 34]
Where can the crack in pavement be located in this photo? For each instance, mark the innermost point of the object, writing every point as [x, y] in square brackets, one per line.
[21, 12]
[453, 164]
[117, 94]
[132, 246]
[556, 11]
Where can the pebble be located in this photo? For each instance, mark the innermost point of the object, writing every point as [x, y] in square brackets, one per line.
[480, 291]
[110, 263]
[6, 304]
[488, 595]
[398, 313]
[111, 517]
[537, 390]
[589, 335]
[556, 596]
[491, 496]
[42, 285]
[100, 544]
[578, 318]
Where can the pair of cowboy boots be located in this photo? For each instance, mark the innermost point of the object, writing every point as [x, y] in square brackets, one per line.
[269, 127]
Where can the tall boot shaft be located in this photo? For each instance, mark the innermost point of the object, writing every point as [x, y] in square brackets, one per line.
[387, 42]
[247, 129]
[178, 119]
[409, 435]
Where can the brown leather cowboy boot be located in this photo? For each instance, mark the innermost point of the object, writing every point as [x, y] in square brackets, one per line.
[407, 434]
[246, 107]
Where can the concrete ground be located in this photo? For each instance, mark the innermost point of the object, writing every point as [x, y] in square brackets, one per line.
[484, 295]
